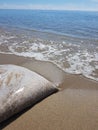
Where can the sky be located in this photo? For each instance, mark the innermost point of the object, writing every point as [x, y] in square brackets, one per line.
[91, 5]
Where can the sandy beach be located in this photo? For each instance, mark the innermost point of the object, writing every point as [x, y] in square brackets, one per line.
[74, 107]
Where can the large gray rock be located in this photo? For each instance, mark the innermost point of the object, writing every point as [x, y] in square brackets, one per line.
[20, 88]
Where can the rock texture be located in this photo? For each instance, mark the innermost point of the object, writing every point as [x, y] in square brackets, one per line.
[20, 88]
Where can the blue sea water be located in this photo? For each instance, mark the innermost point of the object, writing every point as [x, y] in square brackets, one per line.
[66, 38]
[70, 23]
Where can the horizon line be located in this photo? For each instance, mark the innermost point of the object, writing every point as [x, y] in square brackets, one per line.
[49, 9]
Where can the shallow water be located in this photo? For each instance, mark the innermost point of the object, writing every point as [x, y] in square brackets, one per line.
[70, 54]
[71, 42]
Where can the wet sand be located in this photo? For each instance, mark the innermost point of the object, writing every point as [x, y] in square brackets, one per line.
[74, 107]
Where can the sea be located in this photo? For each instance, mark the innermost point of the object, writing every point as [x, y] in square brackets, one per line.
[68, 39]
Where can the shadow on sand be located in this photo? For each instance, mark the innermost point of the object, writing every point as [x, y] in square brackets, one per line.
[14, 117]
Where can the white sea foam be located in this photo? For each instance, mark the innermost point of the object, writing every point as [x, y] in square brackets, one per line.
[28, 53]
[80, 58]
[1, 52]
[80, 63]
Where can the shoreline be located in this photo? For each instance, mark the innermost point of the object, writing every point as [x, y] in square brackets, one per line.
[73, 107]
[40, 67]
[74, 56]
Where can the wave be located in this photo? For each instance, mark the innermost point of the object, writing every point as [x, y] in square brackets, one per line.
[73, 56]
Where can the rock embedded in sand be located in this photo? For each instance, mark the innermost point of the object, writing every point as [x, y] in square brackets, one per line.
[21, 88]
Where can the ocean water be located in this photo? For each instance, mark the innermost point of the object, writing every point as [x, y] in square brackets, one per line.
[67, 38]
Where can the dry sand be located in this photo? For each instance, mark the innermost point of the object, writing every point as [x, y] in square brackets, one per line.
[74, 107]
